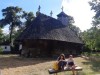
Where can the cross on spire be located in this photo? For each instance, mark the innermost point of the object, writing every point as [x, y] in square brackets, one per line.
[62, 8]
[51, 13]
[39, 8]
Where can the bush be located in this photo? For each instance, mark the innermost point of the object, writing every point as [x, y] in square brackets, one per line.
[1, 49]
[86, 53]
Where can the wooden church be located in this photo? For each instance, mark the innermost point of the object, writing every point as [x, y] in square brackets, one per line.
[49, 37]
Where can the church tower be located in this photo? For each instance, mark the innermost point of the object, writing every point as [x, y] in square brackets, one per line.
[64, 18]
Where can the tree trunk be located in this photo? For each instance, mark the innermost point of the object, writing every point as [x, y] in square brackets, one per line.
[11, 31]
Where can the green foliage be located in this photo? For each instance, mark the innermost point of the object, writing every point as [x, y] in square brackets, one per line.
[71, 20]
[28, 17]
[91, 38]
[1, 36]
[95, 5]
[6, 37]
[73, 27]
[85, 53]
[11, 17]
[1, 50]
[76, 30]
[16, 33]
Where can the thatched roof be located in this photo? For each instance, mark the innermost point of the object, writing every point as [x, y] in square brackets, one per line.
[46, 27]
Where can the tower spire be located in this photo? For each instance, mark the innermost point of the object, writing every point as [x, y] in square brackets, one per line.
[39, 8]
[64, 18]
[51, 13]
[38, 12]
[62, 8]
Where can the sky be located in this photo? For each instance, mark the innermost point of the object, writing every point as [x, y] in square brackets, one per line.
[79, 9]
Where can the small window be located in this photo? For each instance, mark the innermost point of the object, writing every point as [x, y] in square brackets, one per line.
[5, 47]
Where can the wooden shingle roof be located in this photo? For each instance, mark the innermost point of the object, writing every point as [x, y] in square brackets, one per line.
[62, 14]
[46, 27]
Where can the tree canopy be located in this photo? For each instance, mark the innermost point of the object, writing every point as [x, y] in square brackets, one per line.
[91, 37]
[28, 16]
[1, 36]
[95, 5]
[11, 17]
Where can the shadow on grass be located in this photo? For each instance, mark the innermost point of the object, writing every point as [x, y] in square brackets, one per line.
[86, 63]
[95, 65]
[82, 73]
[14, 61]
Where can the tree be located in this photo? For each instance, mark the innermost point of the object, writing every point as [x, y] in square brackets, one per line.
[12, 18]
[1, 36]
[73, 27]
[91, 36]
[95, 5]
[28, 17]
[71, 20]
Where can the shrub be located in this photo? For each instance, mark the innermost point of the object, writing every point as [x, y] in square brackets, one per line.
[1, 49]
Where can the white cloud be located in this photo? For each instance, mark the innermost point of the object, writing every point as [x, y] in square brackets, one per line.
[81, 11]
[6, 30]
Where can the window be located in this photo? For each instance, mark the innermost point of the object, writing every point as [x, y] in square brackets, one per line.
[5, 47]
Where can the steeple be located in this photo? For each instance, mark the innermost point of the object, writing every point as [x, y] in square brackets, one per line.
[62, 13]
[62, 8]
[38, 12]
[63, 17]
[51, 13]
[39, 8]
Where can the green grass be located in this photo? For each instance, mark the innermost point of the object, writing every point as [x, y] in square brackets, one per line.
[15, 65]
[90, 67]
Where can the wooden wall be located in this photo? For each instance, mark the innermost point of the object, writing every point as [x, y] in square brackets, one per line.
[45, 48]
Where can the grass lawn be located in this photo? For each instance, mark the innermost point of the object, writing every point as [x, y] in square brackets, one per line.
[15, 65]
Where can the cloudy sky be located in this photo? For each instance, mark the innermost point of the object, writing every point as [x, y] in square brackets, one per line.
[79, 9]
